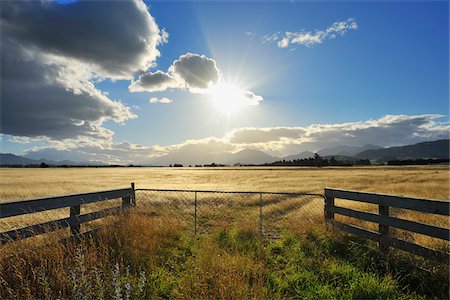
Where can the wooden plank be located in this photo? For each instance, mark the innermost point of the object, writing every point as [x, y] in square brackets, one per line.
[33, 230]
[399, 244]
[367, 234]
[15, 208]
[433, 231]
[29, 231]
[423, 205]
[100, 214]
[420, 250]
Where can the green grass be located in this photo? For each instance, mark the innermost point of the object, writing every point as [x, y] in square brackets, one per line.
[145, 257]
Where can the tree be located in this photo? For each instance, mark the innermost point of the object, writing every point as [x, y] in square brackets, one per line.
[333, 161]
[319, 161]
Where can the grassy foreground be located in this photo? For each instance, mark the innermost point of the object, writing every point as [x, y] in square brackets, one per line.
[144, 257]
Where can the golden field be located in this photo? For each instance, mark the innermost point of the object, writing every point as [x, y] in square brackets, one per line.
[417, 181]
[426, 181]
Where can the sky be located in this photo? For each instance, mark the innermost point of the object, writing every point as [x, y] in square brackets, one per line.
[133, 81]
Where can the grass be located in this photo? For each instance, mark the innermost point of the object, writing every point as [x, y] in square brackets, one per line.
[422, 181]
[151, 251]
[154, 257]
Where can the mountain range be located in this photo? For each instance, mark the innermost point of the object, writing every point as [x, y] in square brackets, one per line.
[344, 150]
[8, 159]
[435, 149]
[376, 154]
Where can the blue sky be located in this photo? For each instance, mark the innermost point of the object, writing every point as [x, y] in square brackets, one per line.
[394, 63]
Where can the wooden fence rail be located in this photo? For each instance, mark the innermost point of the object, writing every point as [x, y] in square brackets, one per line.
[73, 202]
[385, 221]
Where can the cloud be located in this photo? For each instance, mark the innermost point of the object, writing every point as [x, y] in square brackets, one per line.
[154, 82]
[52, 54]
[189, 71]
[249, 135]
[87, 149]
[115, 40]
[311, 38]
[44, 100]
[271, 38]
[252, 99]
[390, 130]
[197, 74]
[196, 71]
[163, 100]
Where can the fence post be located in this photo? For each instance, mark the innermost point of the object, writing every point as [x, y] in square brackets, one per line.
[74, 222]
[260, 215]
[195, 213]
[383, 245]
[133, 194]
[329, 203]
[126, 202]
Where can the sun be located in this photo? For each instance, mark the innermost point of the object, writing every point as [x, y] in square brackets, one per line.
[228, 98]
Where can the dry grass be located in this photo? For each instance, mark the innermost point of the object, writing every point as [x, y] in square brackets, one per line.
[427, 181]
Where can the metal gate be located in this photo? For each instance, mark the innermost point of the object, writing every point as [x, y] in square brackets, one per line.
[204, 211]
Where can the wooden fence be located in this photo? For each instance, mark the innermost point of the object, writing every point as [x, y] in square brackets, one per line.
[385, 221]
[73, 202]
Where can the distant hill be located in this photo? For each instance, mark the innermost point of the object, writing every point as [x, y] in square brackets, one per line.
[301, 155]
[342, 157]
[11, 159]
[203, 156]
[435, 149]
[249, 156]
[344, 150]
[8, 159]
[195, 155]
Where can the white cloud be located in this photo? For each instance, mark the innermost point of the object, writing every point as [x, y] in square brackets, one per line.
[252, 98]
[311, 38]
[250, 135]
[271, 38]
[163, 100]
[197, 74]
[190, 71]
[390, 130]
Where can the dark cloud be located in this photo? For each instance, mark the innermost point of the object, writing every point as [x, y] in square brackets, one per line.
[390, 130]
[50, 55]
[197, 71]
[34, 103]
[153, 82]
[118, 38]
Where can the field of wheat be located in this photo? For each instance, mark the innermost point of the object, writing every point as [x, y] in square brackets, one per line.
[427, 181]
[153, 251]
